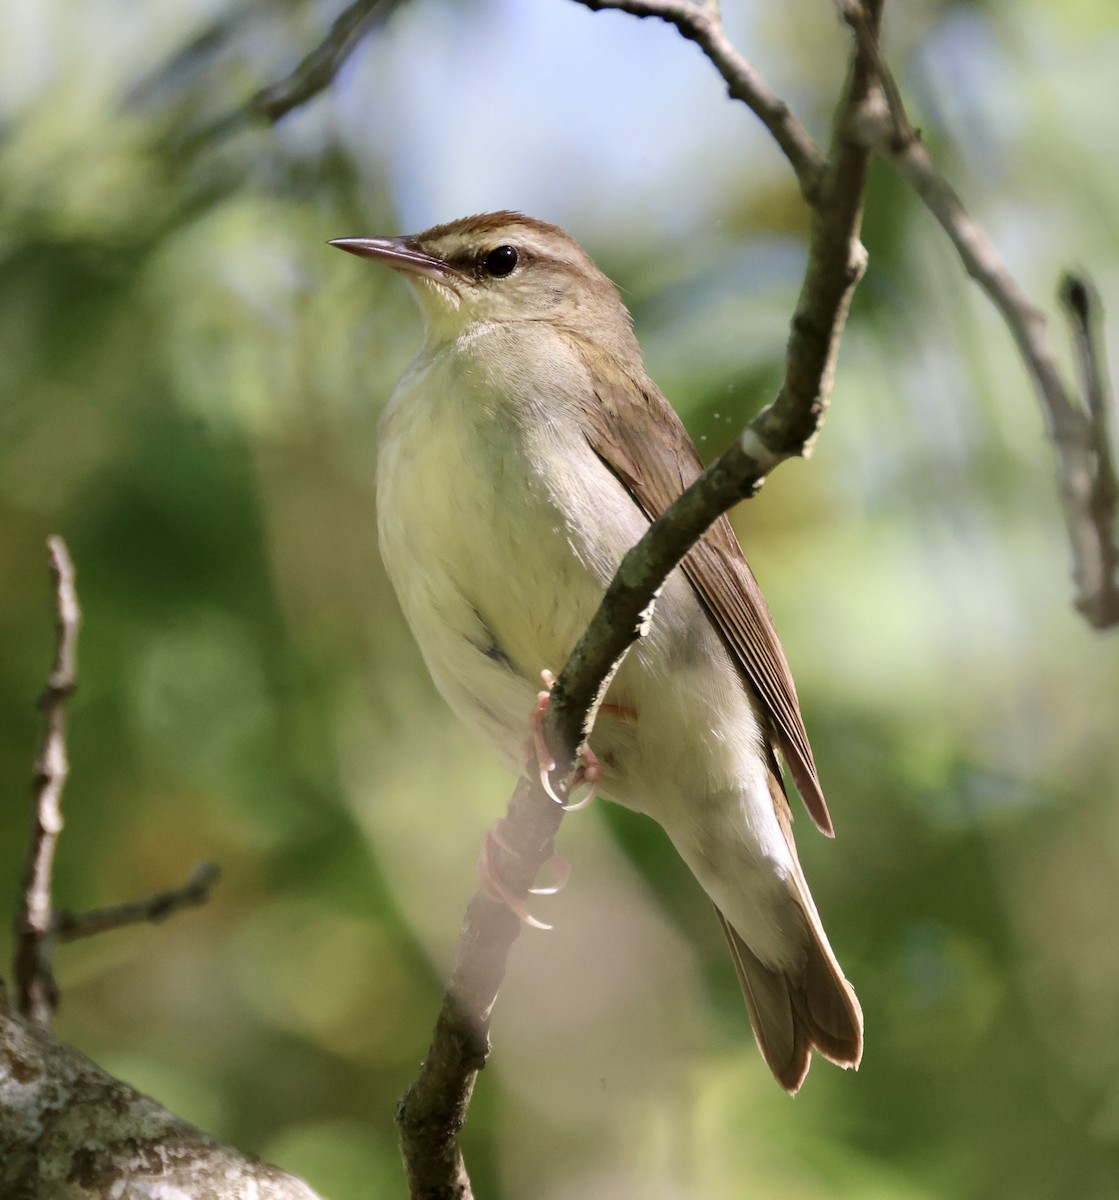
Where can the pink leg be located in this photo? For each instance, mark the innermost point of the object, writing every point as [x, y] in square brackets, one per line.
[557, 862]
[491, 883]
[537, 747]
[590, 772]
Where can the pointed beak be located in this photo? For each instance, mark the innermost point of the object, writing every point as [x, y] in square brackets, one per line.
[402, 254]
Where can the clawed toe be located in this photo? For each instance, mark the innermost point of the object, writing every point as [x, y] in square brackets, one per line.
[493, 886]
[589, 770]
[536, 747]
[589, 773]
[562, 869]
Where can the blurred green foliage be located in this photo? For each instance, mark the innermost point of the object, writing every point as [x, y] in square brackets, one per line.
[189, 383]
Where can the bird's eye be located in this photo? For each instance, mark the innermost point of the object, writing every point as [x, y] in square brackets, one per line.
[501, 261]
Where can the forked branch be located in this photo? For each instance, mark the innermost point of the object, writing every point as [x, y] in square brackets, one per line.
[37, 925]
[699, 22]
[1076, 422]
[61, 1117]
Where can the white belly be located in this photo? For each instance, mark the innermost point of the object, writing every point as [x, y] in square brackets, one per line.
[483, 561]
[499, 566]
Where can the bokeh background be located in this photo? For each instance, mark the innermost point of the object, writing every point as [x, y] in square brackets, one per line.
[189, 387]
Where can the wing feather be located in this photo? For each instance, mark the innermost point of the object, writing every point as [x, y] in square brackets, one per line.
[638, 435]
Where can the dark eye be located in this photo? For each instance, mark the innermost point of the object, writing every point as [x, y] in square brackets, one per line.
[501, 261]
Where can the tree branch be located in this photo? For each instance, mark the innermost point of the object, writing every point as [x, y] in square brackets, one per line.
[1099, 600]
[317, 71]
[699, 22]
[37, 926]
[70, 927]
[314, 74]
[1077, 429]
[69, 1129]
[66, 1126]
[433, 1110]
[36, 993]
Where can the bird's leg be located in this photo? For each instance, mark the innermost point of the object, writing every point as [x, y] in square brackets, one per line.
[557, 862]
[537, 747]
[492, 885]
[588, 771]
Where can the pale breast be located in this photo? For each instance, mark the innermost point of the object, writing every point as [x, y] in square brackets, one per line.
[483, 524]
[500, 529]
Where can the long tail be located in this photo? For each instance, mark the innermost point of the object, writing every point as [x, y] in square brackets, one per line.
[792, 1016]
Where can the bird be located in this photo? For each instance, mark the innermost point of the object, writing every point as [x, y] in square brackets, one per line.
[521, 453]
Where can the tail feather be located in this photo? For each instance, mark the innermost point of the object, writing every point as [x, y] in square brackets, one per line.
[794, 1015]
[831, 1008]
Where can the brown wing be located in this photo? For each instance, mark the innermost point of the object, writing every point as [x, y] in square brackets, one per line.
[638, 435]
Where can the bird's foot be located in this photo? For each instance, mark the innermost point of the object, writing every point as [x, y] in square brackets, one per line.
[588, 772]
[493, 886]
[536, 747]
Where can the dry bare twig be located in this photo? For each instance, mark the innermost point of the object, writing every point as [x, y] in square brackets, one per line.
[36, 993]
[1084, 310]
[698, 21]
[432, 1112]
[312, 76]
[65, 1123]
[70, 927]
[37, 925]
[1077, 427]
[317, 70]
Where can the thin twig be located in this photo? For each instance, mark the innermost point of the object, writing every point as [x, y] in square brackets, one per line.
[31, 967]
[433, 1110]
[38, 927]
[69, 927]
[785, 429]
[314, 74]
[1083, 306]
[1075, 429]
[317, 71]
[866, 33]
[698, 21]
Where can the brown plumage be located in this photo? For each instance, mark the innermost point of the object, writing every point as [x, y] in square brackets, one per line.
[649, 450]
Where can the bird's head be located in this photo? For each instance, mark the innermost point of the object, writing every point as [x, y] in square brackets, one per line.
[501, 267]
